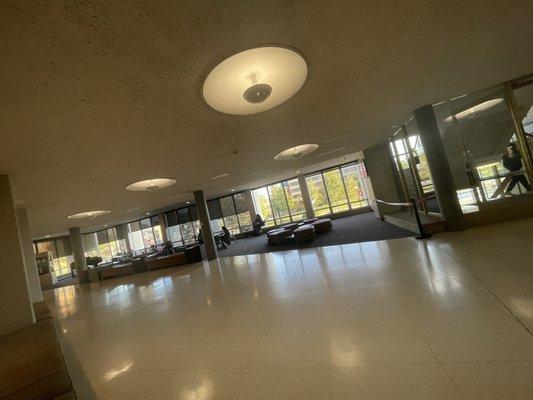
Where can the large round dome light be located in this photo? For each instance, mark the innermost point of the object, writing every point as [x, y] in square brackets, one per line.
[88, 214]
[151, 185]
[296, 152]
[255, 80]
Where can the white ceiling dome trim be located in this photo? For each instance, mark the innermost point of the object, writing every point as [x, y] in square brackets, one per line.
[255, 80]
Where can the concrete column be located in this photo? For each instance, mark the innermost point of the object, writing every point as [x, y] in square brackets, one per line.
[32, 274]
[308, 204]
[163, 225]
[122, 233]
[439, 167]
[203, 217]
[16, 309]
[250, 203]
[79, 254]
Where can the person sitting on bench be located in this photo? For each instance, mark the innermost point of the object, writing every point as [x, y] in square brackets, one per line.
[257, 224]
[226, 237]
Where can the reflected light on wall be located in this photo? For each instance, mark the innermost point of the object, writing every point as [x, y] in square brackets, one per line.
[473, 111]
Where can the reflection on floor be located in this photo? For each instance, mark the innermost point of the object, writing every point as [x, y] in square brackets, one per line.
[67, 281]
[397, 319]
[357, 228]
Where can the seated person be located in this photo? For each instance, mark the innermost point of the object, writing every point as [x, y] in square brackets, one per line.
[200, 238]
[257, 224]
[226, 237]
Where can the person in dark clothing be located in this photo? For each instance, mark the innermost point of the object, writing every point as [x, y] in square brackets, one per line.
[200, 238]
[226, 237]
[512, 160]
[257, 224]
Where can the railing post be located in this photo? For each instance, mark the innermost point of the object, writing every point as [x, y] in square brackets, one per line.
[422, 234]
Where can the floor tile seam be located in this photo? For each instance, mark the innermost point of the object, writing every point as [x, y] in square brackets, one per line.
[463, 395]
[509, 310]
[331, 291]
[314, 366]
[255, 346]
[158, 370]
[436, 357]
[525, 360]
[333, 366]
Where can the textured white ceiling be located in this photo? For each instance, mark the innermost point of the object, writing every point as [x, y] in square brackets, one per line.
[98, 94]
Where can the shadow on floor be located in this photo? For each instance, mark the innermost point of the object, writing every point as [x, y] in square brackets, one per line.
[352, 229]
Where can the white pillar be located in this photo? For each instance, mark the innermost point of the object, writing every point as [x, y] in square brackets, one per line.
[79, 254]
[205, 223]
[250, 203]
[163, 225]
[306, 197]
[32, 274]
[16, 310]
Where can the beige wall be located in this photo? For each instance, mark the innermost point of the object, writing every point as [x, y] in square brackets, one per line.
[32, 274]
[16, 309]
[380, 174]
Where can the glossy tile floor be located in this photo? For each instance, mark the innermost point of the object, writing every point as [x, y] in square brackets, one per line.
[401, 319]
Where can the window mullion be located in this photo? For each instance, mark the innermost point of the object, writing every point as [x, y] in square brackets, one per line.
[326, 190]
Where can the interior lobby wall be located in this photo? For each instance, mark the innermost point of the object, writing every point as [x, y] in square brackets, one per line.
[16, 310]
[379, 170]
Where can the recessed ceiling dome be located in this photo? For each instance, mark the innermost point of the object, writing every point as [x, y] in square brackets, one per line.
[88, 214]
[255, 80]
[151, 185]
[296, 152]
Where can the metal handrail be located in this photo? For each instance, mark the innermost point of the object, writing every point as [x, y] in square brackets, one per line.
[421, 233]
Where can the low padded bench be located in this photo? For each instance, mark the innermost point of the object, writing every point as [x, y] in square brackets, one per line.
[166, 261]
[304, 233]
[32, 365]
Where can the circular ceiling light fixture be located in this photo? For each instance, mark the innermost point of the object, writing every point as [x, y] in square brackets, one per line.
[88, 214]
[473, 111]
[225, 174]
[151, 185]
[296, 152]
[255, 80]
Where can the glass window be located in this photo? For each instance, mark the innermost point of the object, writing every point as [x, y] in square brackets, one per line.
[353, 175]
[147, 233]
[61, 254]
[48, 246]
[174, 234]
[227, 206]
[338, 189]
[295, 200]
[481, 145]
[187, 231]
[240, 203]
[262, 205]
[90, 245]
[278, 202]
[245, 220]
[135, 237]
[317, 192]
[232, 223]
[336, 192]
